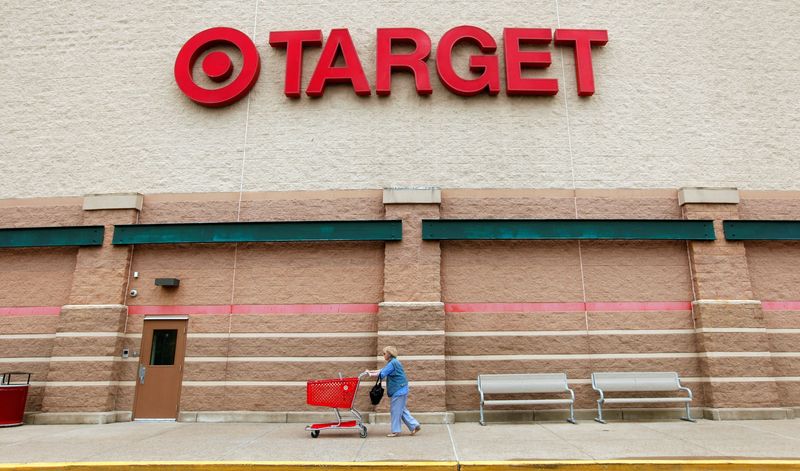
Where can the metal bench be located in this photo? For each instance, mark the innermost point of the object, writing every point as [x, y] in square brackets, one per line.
[639, 382]
[525, 384]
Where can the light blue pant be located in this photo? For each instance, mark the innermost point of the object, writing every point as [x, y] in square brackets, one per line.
[399, 412]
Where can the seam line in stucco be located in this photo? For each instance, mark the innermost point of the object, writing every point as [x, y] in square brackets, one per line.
[572, 169]
[239, 203]
[246, 128]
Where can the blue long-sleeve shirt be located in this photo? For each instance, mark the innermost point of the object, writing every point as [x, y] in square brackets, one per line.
[396, 381]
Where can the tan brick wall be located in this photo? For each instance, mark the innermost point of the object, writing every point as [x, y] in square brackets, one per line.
[773, 270]
[511, 271]
[368, 273]
[412, 266]
[25, 348]
[345, 272]
[488, 321]
[101, 273]
[205, 271]
[41, 212]
[627, 204]
[14, 325]
[550, 271]
[640, 320]
[281, 347]
[301, 273]
[397, 323]
[79, 398]
[745, 395]
[36, 276]
[770, 205]
[70, 367]
[636, 271]
[262, 206]
[719, 267]
[559, 204]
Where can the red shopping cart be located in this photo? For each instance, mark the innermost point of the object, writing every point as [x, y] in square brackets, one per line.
[339, 394]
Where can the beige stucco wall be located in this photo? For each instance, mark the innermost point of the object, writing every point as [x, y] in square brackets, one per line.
[688, 93]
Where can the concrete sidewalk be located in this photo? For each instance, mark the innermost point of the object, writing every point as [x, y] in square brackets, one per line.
[137, 442]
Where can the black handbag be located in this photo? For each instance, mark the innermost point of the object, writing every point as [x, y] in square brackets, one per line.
[376, 393]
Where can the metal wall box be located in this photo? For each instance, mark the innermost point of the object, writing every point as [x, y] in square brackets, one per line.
[761, 230]
[566, 229]
[213, 233]
[168, 282]
[79, 236]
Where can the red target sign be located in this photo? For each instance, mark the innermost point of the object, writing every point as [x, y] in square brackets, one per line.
[217, 66]
[339, 47]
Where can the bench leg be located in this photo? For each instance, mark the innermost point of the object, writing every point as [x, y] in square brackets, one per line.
[482, 422]
[688, 417]
[599, 417]
[571, 414]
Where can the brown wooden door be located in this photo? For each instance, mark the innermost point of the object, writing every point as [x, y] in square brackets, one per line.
[160, 371]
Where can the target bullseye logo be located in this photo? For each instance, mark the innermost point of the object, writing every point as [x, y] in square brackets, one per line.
[217, 66]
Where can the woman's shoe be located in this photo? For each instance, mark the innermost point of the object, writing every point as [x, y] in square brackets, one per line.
[416, 430]
[392, 434]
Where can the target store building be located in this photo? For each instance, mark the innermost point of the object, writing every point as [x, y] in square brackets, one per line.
[203, 205]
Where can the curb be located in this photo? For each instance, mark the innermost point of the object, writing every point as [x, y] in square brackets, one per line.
[571, 465]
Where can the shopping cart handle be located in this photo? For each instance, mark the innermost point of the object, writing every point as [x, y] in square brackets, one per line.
[363, 374]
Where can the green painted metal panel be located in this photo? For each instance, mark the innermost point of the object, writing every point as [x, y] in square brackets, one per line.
[258, 232]
[761, 230]
[566, 229]
[52, 236]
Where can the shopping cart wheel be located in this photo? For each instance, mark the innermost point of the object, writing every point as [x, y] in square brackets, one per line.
[363, 432]
[314, 433]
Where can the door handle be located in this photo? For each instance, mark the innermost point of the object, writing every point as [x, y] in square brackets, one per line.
[141, 374]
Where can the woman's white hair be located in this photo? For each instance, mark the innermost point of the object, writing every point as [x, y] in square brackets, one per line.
[391, 351]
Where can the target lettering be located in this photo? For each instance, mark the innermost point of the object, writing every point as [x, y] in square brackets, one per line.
[482, 75]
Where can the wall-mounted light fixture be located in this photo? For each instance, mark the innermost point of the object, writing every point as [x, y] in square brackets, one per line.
[168, 282]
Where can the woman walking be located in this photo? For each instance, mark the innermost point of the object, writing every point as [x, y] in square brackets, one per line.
[397, 389]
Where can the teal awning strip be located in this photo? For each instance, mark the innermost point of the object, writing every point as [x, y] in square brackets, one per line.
[208, 233]
[761, 230]
[51, 236]
[566, 229]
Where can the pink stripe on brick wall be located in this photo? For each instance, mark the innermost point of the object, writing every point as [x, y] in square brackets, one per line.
[226, 309]
[570, 307]
[171, 310]
[30, 311]
[305, 308]
[514, 307]
[640, 306]
[780, 305]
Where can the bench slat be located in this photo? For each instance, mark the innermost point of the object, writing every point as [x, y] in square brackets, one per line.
[636, 381]
[616, 400]
[523, 383]
[501, 402]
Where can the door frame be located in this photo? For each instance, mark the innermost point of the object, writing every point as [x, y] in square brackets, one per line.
[141, 358]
